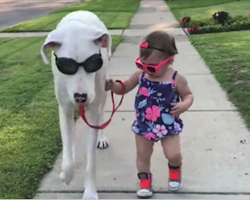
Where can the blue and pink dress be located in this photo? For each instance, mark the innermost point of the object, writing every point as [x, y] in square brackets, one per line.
[153, 106]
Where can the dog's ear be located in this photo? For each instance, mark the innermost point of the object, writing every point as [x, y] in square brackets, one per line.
[53, 41]
[104, 38]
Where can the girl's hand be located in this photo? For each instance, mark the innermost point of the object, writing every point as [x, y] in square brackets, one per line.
[109, 85]
[178, 108]
[129, 84]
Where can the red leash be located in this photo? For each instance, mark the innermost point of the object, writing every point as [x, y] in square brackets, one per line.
[114, 109]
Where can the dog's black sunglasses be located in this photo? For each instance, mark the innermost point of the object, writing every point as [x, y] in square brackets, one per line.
[69, 66]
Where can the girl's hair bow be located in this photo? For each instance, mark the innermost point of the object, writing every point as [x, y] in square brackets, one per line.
[143, 45]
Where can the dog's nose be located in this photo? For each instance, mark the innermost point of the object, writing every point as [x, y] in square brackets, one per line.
[80, 98]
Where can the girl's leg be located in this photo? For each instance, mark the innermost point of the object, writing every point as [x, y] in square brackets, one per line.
[144, 149]
[171, 149]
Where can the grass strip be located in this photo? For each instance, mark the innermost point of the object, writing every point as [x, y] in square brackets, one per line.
[112, 20]
[103, 6]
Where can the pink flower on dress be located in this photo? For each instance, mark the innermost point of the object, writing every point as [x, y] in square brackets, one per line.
[144, 91]
[160, 130]
[149, 136]
[152, 113]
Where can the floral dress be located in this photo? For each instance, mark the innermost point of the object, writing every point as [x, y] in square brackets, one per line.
[153, 106]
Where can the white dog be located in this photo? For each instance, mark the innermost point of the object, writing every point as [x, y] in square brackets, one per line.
[82, 47]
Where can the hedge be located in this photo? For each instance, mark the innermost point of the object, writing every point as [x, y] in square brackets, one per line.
[235, 23]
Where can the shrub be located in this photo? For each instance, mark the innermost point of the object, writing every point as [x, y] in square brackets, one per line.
[219, 28]
[184, 21]
[206, 22]
[192, 29]
[221, 17]
[215, 25]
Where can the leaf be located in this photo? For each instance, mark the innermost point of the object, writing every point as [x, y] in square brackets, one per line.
[142, 114]
[135, 129]
[151, 125]
[161, 108]
[142, 103]
[151, 91]
[167, 119]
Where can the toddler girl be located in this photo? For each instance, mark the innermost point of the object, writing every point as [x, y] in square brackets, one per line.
[163, 94]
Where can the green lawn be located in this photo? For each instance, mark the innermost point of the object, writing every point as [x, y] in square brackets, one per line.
[227, 55]
[49, 22]
[116, 14]
[103, 6]
[203, 9]
[29, 128]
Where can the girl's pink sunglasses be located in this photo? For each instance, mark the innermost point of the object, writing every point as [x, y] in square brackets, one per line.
[150, 68]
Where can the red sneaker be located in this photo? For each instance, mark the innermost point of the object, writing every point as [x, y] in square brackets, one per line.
[174, 180]
[145, 190]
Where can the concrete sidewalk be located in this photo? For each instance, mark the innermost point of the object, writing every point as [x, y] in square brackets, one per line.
[216, 164]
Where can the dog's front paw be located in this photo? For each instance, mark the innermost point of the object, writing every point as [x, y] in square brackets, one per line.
[67, 173]
[102, 142]
[90, 194]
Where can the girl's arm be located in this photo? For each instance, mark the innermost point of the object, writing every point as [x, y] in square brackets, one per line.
[129, 84]
[184, 92]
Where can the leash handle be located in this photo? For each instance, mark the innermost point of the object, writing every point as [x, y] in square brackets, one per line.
[114, 109]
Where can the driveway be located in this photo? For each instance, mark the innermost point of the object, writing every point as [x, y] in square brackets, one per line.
[15, 11]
